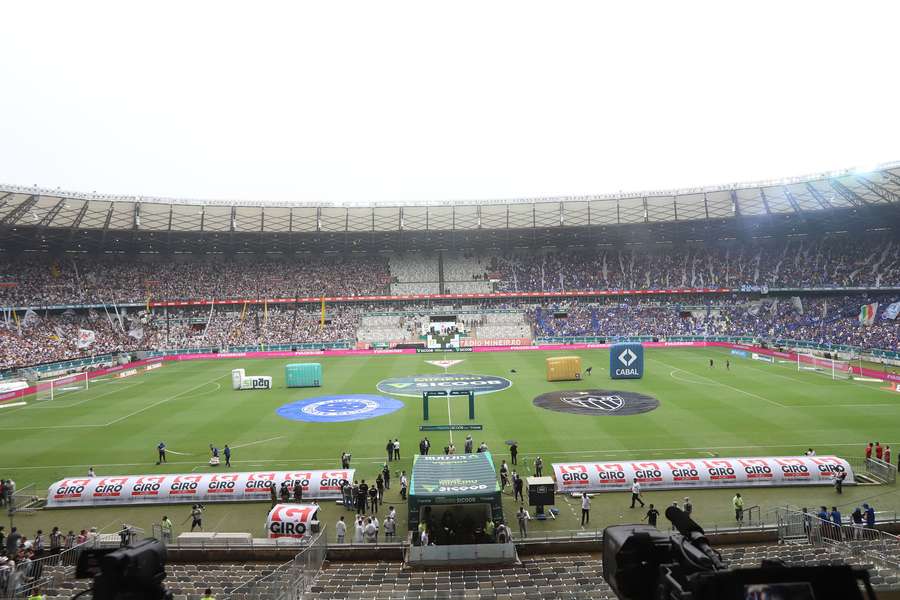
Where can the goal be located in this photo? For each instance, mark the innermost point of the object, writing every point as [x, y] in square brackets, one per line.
[52, 388]
[836, 369]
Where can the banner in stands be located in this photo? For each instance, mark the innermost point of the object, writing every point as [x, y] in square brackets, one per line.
[290, 520]
[700, 473]
[318, 299]
[193, 487]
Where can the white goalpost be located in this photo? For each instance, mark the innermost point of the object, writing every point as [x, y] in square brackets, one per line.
[834, 368]
[52, 388]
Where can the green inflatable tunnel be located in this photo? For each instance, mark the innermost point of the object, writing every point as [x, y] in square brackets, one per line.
[303, 375]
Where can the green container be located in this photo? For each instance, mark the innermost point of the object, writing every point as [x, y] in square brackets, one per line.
[303, 375]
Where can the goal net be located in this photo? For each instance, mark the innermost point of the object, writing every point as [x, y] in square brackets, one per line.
[53, 388]
[836, 369]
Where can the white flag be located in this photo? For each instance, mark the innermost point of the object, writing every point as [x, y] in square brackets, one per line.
[86, 337]
[137, 333]
[31, 318]
[891, 311]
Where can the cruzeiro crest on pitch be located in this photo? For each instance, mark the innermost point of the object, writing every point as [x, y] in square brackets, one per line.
[597, 402]
[415, 385]
[339, 408]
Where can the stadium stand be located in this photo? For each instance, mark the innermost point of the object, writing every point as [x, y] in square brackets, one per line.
[490, 325]
[557, 577]
[414, 274]
[185, 581]
[33, 281]
[389, 328]
[466, 273]
[44, 337]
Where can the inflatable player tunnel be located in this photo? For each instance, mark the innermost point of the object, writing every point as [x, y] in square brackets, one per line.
[564, 368]
[303, 375]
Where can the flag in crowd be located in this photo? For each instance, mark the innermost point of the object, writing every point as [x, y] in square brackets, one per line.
[867, 313]
[891, 311]
[86, 337]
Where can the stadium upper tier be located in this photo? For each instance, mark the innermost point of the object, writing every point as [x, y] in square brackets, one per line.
[837, 261]
[54, 209]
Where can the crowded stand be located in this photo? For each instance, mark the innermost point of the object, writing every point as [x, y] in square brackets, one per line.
[81, 280]
[41, 337]
[830, 263]
[820, 319]
[826, 263]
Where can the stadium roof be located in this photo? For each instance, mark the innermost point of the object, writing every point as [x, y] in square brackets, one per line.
[49, 209]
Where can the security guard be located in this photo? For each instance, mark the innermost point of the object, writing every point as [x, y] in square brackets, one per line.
[167, 527]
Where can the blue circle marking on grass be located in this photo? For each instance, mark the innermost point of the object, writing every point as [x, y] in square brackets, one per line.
[339, 408]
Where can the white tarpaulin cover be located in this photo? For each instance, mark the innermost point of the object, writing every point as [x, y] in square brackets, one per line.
[193, 487]
[700, 473]
[290, 520]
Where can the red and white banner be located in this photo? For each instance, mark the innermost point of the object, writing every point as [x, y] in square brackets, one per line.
[193, 487]
[290, 520]
[367, 299]
[700, 473]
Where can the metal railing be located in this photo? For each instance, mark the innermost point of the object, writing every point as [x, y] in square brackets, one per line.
[291, 580]
[883, 471]
[850, 540]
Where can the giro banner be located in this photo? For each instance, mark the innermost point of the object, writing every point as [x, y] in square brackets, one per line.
[700, 473]
[193, 487]
[290, 520]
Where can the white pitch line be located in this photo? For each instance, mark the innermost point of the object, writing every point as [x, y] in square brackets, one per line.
[163, 401]
[257, 442]
[114, 421]
[13, 404]
[380, 459]
[178, 453]
[449, 420]
[49, 404]
[731, 387]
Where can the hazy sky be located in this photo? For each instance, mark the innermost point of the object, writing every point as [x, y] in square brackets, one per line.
[405, 101]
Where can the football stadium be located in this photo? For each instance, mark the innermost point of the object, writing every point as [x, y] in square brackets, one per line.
[697, 369]
[683, 393]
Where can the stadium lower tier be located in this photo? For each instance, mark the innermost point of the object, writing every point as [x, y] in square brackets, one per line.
[30, 338]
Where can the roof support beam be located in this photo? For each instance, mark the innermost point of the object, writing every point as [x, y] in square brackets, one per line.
[735, 206]
[846, 193]
[791, 200]
[765, 200]
[820, 198]
[891, 176]
[886, 195]
[51, 214]
[80, 216]
[19, 211]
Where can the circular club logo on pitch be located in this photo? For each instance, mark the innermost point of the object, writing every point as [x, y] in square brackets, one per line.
[597, 402]
[414, 385]
[336, 409]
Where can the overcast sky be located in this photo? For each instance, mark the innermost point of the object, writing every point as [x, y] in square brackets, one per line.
[408, 101]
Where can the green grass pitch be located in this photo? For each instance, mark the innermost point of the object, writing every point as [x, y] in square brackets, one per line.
[753, 409]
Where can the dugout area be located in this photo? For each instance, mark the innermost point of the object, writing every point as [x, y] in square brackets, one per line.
[454, 495]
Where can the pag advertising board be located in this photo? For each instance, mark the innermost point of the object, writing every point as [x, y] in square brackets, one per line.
[700, 473]
[193, 487]
[290, 520]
